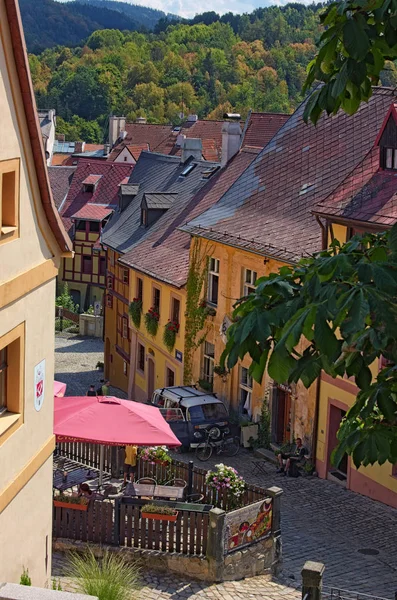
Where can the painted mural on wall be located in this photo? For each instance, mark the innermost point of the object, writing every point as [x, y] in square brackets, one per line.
[248, 524]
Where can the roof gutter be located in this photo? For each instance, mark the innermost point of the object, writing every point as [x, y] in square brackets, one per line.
[29, 103]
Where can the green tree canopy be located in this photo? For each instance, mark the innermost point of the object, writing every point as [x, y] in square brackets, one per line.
[340, 307]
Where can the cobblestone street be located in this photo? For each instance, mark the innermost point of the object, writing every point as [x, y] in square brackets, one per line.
[354, 536]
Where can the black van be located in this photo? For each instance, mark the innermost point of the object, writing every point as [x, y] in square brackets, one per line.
[190, 412]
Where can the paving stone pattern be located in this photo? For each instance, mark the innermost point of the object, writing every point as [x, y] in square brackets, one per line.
[321, 520]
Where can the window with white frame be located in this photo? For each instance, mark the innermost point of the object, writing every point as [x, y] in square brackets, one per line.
[213, 281]
[208, 362]
[249, 278]
[245, 391]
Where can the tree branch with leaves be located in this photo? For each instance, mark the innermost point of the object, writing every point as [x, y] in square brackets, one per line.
[341, 303]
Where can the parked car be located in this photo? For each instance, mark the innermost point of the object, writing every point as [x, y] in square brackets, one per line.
[190, 412]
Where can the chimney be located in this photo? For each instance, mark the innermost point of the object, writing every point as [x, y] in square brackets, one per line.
[180, 138]
[79, 147]
[106, 149]
[191, 147]
[116, 126]
[231, 139]
[141, 120]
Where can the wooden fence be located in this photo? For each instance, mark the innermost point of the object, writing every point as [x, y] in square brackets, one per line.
[88, 454]
[121, 524]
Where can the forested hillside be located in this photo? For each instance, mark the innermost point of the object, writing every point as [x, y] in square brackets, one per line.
[48, 23]
[233, 63]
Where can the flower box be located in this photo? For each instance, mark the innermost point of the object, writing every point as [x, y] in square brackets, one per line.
[158, 517]
[71, 505]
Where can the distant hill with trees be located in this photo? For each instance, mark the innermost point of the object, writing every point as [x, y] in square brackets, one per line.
[48, 23]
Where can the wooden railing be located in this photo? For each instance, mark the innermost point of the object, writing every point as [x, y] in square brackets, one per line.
[88, 454]
[112, 523]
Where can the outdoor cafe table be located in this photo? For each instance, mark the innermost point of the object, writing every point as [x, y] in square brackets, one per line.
[151, 490]
[73, 478]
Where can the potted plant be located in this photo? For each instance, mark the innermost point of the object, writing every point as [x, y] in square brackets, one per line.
[205, 385]
[210, 311]
[221, 371]
[169, 336]
[159, 513]
[156, 454]
[72, 502]
[248, 430]
[135, 311]
[152, 318]
[226, 478]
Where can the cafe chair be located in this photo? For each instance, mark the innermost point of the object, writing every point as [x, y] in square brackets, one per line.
[195, 498]
[147, 481]
[177, 483]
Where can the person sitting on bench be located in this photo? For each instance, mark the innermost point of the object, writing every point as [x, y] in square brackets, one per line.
[288, 462]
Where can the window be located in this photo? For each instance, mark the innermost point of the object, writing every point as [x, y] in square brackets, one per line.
[390, 158]
[141, 358]
[87, 264]
[139, 288]
[208, 362]
[112, 259]
[88, 187]
[80, 225]
[170, 377]
[213, 281]
[126, 276]
[102, 266]
[207, 412]
[245, 391]
[9, 199]
[124, 367]
[156, 299]
[144, 217]
[175, 310]
[3, 380]
[109, 300]
[11, 374]
[110, 282]
[94, 226]
[125, 328]
[209, 172]
[249, 281]
[187, 170]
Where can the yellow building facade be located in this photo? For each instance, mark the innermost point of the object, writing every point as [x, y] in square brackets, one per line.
[32, 241]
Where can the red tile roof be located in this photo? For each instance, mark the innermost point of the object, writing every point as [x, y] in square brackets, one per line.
[91, 179]
[164, 253]
[269, 208]
[92, 212]
[262, 127]
[368, 194]
[142, 133]
[106, 191]
[137, 149]
[59, 159]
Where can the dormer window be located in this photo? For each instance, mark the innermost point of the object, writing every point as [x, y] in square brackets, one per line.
[89, 188]
[390, 158]
[144, 217]
[90, 183]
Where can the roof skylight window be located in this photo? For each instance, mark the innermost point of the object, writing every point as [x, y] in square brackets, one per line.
[209, 172]
[187, 170]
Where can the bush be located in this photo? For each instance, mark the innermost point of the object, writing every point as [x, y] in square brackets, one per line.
[66, 323]
[25, 579]
[109, 578]
[66, 301]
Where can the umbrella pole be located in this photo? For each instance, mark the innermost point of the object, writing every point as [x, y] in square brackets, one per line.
[101, 463]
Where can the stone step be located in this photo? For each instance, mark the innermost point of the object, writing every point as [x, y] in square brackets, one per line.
[267, 455]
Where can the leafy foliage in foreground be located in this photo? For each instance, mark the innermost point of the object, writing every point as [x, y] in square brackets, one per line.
[108, 578]
[359, 36]
[334, 311]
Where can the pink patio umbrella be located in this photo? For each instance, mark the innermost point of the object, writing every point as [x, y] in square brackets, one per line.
[59, 388]
[110, 421]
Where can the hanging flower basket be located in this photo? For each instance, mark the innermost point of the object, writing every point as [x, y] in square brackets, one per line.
[169, 336]
[135, 311]
[152, 318]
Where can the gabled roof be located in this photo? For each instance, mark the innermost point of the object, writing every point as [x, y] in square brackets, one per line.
[155, 173]
[367, 195]
[93, 212]
[269, 208]
[60, 180]
[160, 201]
[33, 126]
[164, 252]
[142, 133]
[106, 191]
[261, 127]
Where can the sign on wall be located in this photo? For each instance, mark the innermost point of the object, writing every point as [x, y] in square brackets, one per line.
[39, 379]
[178, 355]
[224, 327]
[248, 524]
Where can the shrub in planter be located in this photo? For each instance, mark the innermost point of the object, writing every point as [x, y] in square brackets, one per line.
[25, 578]
[159, 513]
[157, 454]
[169, 336]
[75, 502]
[152, 318]
[135, 311]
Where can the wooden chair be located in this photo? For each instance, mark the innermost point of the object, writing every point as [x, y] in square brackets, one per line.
[147, 481]
[195, 498]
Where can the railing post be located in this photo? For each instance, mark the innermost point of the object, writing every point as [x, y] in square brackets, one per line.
[216, 542]
[114, 462]
[190, 478]
[312, 580]
[274, 493]
[116, 528]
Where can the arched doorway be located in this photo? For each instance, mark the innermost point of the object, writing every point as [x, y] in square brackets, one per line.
[150, 377]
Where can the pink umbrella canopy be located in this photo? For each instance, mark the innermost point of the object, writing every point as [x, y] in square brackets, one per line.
[59, 388]
[110, 421]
